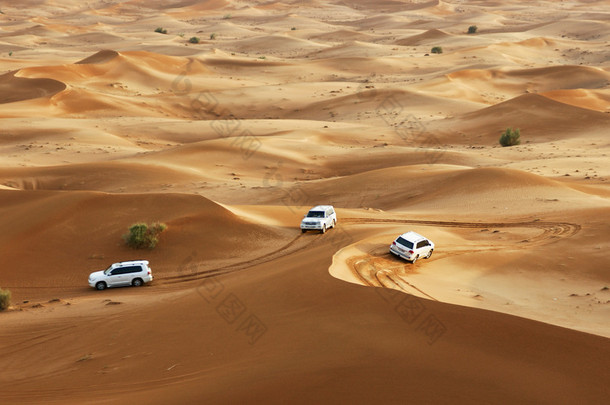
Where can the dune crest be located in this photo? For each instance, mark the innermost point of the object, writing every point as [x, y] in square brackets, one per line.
[14, 88]
[99, 57]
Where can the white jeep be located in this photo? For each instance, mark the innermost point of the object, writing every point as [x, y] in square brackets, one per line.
[134, 272]
[319, 218]
[411, 246]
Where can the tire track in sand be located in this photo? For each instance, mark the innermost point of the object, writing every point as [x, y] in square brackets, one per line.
[379, 269]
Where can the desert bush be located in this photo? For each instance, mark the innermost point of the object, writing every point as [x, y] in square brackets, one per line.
[472, 29]
[293, 29]
[143, 236]
[437, 49]
[5, 299]
[227, 17]
[194, 40]
[161, 30]
[510, 137]
[213, 36]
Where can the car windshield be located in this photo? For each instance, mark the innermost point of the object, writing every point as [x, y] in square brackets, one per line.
[315, 214]
[107, 271]
[404, 242]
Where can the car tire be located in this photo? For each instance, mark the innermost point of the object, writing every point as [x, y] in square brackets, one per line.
[429, 254]
[323, 228]
[100, 286]
[137, 282]
[303, 231]
[415, 259]
[334, 223]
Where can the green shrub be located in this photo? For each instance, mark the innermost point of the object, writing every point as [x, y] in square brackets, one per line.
[510, 137]
[143, 236]
[437, 49]
[293, 29]
[227, 17]
[5, 299]
[161, 30]
[472, 29]
[194, 40]
[213, 36]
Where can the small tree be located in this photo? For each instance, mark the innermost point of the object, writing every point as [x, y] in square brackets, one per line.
[5, 299]
[510, 137]
[213, 36]
[161, 30]
[142, 236]
[472, 29]
[194, 40]
[437, 49]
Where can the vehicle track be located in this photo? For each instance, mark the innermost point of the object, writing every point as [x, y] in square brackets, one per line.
[375, 269]
[551, 230]
[289, 248]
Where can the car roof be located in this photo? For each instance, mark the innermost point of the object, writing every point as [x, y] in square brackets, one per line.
[412, 236]
[130, 262]
[321, 207]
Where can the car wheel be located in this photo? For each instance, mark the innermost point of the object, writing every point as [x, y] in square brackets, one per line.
[100, 286]
[137, 282]
[415, 259]
[323, 228]
[303, 231]
[334, 223]
[429, 254]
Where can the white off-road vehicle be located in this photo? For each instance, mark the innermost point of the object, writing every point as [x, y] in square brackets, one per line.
[319, 218]
[134, 272]
[411, 246]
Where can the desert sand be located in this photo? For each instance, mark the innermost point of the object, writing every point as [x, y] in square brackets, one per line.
[280, 106]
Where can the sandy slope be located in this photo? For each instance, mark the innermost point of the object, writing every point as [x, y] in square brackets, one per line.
[281, 106]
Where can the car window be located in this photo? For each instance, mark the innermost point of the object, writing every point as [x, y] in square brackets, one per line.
[404, 242]
[422, 243]
[126, 270]
[315, 214]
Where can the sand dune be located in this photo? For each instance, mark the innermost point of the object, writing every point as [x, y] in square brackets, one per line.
[278, 107]
[591, 99]
[536, 114]
[536, 80]
[17, 89]
[276, 45]
[62, 217]
[430, 36]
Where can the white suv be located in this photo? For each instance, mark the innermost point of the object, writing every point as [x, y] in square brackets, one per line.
[135, 273]
[319, 218]
[411, 246]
